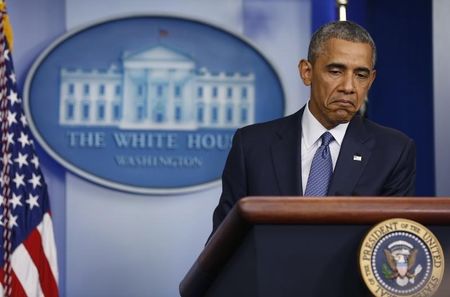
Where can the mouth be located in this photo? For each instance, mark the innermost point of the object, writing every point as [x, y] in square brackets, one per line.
[345, 103]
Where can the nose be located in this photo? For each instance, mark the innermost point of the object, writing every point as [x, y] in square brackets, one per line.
[348, 83]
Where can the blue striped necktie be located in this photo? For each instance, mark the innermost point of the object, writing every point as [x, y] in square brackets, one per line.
[321, 169]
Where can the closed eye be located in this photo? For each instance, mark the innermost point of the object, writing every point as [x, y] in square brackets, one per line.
[334, 71]
[362, 75]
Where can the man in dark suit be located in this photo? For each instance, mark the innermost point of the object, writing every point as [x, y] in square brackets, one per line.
[326, 148]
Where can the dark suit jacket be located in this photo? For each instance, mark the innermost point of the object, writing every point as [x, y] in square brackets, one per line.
[265, 160]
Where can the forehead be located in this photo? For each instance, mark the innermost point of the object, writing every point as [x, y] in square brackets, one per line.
[346, 52]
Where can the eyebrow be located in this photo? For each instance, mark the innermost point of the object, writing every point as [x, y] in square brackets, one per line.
[343, 66]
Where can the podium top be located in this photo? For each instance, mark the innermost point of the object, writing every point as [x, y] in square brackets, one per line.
[343, 210]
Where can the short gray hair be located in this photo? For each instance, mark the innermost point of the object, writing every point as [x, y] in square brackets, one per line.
[345, 30]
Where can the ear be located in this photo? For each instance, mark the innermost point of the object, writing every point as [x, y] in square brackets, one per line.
[305, 71]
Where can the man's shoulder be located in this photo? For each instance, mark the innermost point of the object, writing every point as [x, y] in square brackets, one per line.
[384, 133]
[270, 128]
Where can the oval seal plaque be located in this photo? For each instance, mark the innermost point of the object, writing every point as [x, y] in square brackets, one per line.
[148, 104]
[400, 257]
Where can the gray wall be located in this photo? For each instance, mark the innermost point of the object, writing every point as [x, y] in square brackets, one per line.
[441, 64]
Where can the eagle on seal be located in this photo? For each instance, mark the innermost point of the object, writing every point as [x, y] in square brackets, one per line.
[401, 263]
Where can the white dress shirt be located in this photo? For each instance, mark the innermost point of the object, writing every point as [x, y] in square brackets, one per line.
[312, 131]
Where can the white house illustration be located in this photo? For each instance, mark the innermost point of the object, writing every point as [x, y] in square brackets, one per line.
[159, 88]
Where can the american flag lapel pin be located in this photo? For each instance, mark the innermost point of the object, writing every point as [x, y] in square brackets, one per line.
[357, 157]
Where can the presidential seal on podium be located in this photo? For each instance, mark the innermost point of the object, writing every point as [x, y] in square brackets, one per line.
[400, 257]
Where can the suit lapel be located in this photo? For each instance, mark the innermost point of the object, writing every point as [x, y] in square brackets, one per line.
[286, 156]
[353, 157]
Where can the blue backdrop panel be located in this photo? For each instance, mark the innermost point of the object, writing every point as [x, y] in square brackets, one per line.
[402, 95]
[322, 11]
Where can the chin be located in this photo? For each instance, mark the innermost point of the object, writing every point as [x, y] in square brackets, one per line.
[342, 116]
[340, 121]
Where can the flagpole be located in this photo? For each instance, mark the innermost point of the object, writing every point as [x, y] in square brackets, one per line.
[5, 174]
[342, 7]
[5, 147]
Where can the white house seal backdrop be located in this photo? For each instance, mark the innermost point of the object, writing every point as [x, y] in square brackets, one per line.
[153, 111]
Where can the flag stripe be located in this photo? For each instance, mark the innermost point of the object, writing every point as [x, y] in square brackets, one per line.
[26, 272]
[17, 288]
[33, 244]
[1, 282]
[46, 230]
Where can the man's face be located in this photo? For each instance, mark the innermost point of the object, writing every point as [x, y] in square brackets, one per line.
[340, 79]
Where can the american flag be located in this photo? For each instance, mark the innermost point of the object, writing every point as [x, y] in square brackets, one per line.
[28, 252]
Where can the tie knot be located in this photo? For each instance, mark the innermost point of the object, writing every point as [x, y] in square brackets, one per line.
[327, 138]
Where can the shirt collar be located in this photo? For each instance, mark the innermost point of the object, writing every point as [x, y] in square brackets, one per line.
[312, 129]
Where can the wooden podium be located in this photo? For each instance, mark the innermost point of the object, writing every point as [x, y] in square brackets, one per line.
[300, 246]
